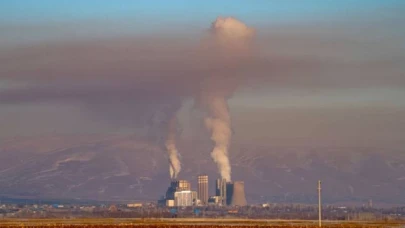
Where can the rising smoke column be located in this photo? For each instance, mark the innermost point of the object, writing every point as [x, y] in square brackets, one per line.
[164, 127]
[174, 162]
[218, 122]
[231, 38]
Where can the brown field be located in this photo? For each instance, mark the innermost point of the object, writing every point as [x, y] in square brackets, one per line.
[187, 223]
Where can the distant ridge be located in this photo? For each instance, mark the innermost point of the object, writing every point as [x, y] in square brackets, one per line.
[124, 168]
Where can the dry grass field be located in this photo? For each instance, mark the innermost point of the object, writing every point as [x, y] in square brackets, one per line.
[187, 223]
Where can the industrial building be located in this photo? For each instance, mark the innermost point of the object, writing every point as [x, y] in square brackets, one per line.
[179, 193]
[231, 193]
[215, 200]
[185, 198]
[203, 188]
[220, 190]
[176, 186]
[236, 194]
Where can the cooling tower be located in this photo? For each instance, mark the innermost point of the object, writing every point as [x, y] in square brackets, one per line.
[238, 194]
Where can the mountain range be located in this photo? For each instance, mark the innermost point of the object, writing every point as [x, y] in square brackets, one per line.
[130, 168]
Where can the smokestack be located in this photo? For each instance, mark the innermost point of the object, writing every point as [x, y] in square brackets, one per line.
[230, 37]
[218, 187]
[221, 190]
[238, 194]
[174, 162]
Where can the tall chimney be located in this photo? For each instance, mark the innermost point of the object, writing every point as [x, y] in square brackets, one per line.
[220, 188]
[238, 194]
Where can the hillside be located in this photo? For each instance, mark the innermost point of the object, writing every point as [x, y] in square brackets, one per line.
[120, 167]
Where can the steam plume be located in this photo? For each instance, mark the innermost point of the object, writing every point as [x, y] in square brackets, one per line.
[231, 38]
[174, 162]
[218, 121]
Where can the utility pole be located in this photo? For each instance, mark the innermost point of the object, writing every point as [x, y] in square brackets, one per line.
[319, 204]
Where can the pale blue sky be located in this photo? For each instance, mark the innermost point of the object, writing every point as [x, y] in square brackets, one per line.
[25, 21]
[33, 11]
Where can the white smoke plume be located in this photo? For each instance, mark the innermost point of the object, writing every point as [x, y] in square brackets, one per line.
[231, 38]
[218, 121]
[174, 162]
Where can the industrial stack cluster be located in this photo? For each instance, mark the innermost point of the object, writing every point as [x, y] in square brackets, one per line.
[179, 193]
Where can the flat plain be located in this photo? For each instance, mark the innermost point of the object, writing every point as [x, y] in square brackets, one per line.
[190, 223]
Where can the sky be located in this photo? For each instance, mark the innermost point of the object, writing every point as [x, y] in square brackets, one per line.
[20, 11]
[321, 72]
[48, 19]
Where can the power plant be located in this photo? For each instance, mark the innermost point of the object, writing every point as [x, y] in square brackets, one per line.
[220, 191]
[203, 188]
[236, 191]
[179, 193]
